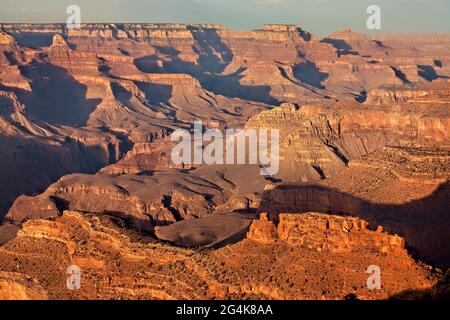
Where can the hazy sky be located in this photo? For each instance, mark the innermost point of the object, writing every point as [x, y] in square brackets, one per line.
[317, 16]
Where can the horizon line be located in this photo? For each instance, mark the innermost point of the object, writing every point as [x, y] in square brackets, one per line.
[376, 33]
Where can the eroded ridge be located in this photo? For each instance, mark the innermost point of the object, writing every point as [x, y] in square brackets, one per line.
[326, 233]
[118, 263]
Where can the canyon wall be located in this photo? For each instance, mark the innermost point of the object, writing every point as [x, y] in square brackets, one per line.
[126, 84]
[85, 123]
[318, 141]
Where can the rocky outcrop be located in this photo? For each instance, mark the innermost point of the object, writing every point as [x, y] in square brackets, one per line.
[263, 230]
[325, 233]
[145, 157]
[58, 41]
[117, 263]
[388, 97]
[6, 39]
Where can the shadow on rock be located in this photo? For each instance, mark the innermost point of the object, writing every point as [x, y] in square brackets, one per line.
[424, 223]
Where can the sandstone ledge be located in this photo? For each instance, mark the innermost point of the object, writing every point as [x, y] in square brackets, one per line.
[117, 263]
[326, 233]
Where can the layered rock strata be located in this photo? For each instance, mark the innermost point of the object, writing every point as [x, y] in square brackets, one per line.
[116, 263]
[325, 233]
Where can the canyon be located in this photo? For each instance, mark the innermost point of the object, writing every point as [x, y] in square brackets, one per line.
[87, 178]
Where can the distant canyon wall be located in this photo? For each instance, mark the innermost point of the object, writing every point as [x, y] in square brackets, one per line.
[318, 141]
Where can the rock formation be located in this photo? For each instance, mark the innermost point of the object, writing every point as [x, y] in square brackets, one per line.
[138, 82]
[117, 263]
[318, 141]
[146, 201]
[325, 233]
[87, 178]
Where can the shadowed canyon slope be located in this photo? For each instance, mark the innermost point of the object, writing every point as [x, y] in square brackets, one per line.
[87, 177]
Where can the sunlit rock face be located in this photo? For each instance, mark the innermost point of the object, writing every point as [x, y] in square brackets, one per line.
[15, 286]
[325, 233]
[117, 262]
[318, 141]
[86, 117]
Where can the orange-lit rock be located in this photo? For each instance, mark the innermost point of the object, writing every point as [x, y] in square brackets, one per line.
[263, 230]
[325, 233]
[15, 286]
[117, 263]
[86, 173]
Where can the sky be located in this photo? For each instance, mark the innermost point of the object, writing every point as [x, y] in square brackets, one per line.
[317, 16]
